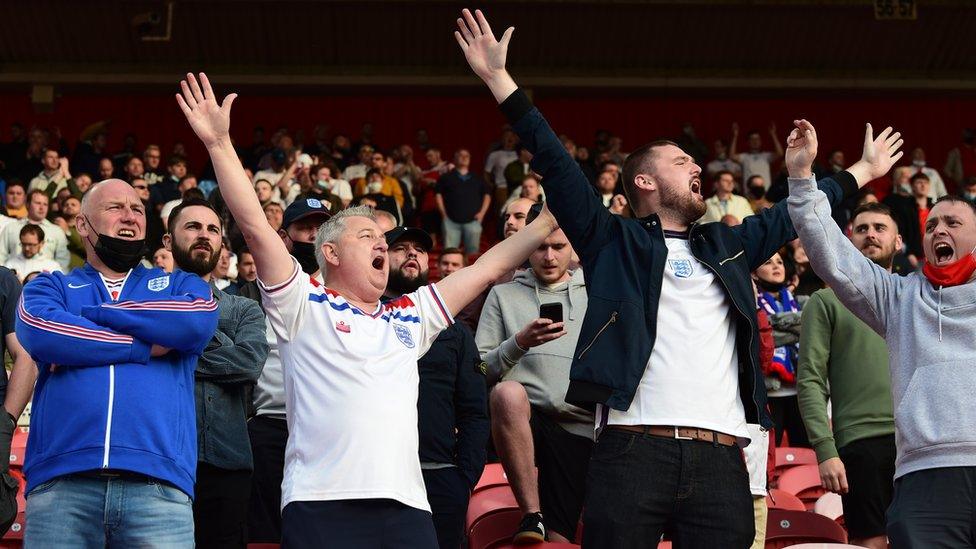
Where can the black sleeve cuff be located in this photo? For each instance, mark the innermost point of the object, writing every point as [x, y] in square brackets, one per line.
[516, 105]
[847, 183]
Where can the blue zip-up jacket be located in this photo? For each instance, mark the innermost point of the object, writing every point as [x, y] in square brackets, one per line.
[101, 401]
[623, 263]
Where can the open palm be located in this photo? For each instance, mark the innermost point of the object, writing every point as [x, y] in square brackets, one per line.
[880, 153]
[484, 54]
[210, 121]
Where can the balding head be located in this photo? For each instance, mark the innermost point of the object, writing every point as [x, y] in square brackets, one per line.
[112, 207]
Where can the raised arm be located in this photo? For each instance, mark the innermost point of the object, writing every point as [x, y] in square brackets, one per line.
[211, 123]
[777, 147]
[573, 201]
[461, 287]
[734, 143]
[860, 284]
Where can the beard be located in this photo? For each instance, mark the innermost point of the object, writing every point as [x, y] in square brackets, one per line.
[685, 206]
[885, 260]
[200, 266]
[398, 283]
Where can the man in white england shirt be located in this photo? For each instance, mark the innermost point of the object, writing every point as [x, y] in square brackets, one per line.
[352, 472]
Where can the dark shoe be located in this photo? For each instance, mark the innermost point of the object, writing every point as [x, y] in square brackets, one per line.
[530, 530]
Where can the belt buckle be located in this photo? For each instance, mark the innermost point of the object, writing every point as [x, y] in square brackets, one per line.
[679, 437]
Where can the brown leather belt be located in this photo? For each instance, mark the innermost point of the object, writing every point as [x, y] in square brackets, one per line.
[681, 433]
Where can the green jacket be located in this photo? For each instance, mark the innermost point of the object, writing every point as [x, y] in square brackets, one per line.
[843, 360]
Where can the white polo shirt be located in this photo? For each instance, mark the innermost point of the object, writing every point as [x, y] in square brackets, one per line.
[692, 376]
[351, 385]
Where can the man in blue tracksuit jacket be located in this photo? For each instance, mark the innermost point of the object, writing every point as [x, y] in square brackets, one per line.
[668, 350]
[112, 453]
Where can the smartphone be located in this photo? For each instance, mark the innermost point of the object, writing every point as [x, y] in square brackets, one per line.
[552, 311]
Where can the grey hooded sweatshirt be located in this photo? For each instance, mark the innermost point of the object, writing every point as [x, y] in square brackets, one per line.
[543, 370]
[930, 334]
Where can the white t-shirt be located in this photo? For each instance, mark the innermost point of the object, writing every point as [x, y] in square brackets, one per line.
[692, 377]
[351, 386]
[756, 164]
[24, 266]
[497, 162]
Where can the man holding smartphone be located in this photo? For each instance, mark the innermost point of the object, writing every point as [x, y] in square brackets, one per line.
[526, 335]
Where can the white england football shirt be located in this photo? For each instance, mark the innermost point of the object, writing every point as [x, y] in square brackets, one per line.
[691, 378]
[351, 385]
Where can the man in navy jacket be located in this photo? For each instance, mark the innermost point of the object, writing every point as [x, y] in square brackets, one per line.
[112, 454]
[668, 351]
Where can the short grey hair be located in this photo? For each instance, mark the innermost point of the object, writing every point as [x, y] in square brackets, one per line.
[331, 230]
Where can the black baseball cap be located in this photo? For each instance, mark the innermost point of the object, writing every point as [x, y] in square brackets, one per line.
[305, 207]
[409, 233]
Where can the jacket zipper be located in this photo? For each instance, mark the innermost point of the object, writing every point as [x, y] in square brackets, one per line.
[613, 318]
[752, 377]
[108, 422]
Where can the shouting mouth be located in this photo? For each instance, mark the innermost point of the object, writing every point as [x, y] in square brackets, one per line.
[126, 233]
[695, 186]
[378, 262]
[943, 252]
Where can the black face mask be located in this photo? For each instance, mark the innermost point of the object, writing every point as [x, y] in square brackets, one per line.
[757, 192]
[304, 252]
[118, 254]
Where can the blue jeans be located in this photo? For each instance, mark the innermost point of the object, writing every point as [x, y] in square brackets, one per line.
[79, 511]
[639, 486]
[471, 233]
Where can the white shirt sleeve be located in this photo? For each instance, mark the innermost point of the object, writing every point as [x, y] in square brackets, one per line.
[434, 316]
[286, 303]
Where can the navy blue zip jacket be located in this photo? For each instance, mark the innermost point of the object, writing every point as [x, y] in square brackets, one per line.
[623, 263]
[101, 401]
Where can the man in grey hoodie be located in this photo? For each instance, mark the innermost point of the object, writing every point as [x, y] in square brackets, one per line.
[928, 319]
[532, 425]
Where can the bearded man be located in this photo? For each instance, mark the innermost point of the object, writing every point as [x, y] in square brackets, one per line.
[231, 362]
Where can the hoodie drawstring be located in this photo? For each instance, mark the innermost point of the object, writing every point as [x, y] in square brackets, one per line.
[940, 314]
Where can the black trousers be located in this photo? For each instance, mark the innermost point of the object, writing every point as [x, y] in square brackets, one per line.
[638, 486]
[934, 508]
[448, 493]
[356, 524]
[268, 439]
[220, 507]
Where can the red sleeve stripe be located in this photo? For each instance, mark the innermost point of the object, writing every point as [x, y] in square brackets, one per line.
[198, 304]
[69, 330]
[440, 304]
[277, 287]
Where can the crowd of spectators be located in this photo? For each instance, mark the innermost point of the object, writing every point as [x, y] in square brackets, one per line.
[439, 215]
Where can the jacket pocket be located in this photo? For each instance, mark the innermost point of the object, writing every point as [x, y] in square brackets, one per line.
[610, 320]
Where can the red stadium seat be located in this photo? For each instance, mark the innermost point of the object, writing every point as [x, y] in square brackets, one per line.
[788, 528]
[803, 481]
[494, 529]
[493, 475]
[787, 458]
[15, 535]
[830, 506]
[488, 501]
[18, 447]
[778, 499]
